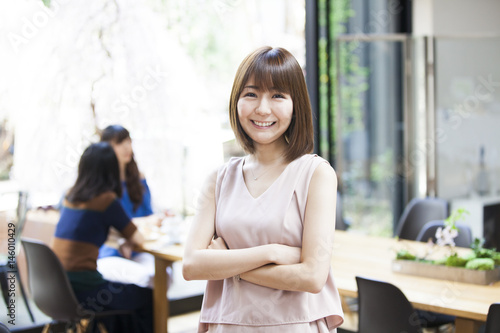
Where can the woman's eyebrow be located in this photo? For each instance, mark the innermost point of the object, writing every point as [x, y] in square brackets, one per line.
[251, 87]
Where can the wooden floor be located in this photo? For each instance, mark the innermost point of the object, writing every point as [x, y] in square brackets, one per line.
[184, 323]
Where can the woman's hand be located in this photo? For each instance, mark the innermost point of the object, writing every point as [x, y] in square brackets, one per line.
[286, 255]
[217, 244]
[125, 248]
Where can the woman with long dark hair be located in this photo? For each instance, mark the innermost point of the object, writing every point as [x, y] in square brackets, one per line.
[136, 199]
[91, 208]
[117, 262]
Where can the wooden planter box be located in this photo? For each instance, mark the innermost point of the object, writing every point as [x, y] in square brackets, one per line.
[445, 272]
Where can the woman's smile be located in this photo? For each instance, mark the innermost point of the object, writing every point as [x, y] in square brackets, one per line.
[262, 124]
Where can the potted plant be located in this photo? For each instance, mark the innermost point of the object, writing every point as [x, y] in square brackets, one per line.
[442, 259]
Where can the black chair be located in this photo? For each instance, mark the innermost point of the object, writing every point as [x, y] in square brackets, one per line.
[52, 291]
[417, 213]
[428, 231]
[493, 319]
[4, 329]
[10, 267]
[383, 308]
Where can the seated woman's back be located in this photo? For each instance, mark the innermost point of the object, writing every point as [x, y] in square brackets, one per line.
[83, 227]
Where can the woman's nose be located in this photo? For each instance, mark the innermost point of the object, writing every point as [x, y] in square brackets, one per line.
[264, 107]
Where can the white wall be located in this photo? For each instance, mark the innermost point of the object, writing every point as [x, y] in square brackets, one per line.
[452, 17]
[465, 16]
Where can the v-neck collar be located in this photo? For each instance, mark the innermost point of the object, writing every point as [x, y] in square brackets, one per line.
[270, 186]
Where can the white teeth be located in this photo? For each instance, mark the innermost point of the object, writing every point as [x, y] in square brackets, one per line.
[258, 123]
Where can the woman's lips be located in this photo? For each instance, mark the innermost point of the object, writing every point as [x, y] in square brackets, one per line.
[263, 123]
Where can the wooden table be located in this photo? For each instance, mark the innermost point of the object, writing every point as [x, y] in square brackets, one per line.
[164, 257]
[371, 257]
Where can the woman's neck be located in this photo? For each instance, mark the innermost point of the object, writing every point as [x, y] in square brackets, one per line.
[270, 154]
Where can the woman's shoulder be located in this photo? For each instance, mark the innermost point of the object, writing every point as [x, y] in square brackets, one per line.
[231, 164]
[323, 173]
[313, 165]
[142, 180]
[102, 201]
[235, 160]
[314, 157]
[99, 203]
[217, 174]
[312, 160]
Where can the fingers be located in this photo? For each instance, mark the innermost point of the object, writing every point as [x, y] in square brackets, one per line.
[217, 244]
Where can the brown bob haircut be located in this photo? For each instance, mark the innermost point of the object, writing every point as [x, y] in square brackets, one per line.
[275, 68]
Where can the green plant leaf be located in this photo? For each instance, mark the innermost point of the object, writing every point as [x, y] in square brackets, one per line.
[455, 261]
[405, 255]
[456, 215]
[480, 251]
[481, 264]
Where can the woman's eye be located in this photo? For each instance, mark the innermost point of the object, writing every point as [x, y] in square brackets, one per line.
[250, 95]
[278, 96]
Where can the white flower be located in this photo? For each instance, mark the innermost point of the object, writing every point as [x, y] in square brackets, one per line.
[445, 236]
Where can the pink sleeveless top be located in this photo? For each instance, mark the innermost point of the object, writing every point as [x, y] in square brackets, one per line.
[276, 216]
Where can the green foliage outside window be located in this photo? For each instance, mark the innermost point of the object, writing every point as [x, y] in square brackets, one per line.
[333, 16]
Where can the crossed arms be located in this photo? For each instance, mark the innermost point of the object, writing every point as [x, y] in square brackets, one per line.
[275, 266]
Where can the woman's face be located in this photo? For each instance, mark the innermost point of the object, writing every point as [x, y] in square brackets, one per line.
[264, 115]
[123, 151]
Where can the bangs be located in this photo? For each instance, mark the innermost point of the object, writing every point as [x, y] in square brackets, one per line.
[272, 72]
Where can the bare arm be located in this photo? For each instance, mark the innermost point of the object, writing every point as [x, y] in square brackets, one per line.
[311, 273]
[205, 262]
[137, 238]
[127, 246]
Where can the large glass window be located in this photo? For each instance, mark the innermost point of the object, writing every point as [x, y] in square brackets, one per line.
[362, 103]
[163, 69]
[370, 131]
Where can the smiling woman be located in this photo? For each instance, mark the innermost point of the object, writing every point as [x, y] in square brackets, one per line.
[263, 235]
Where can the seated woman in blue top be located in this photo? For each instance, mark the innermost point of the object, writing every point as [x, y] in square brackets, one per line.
[136, 199]
[90, 210]
[114, 261]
